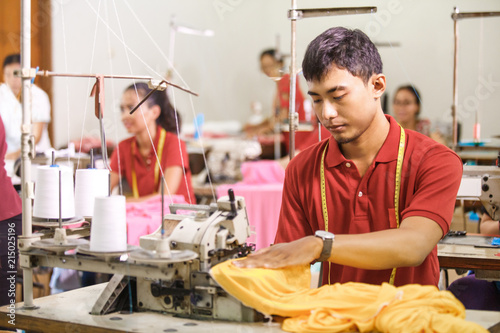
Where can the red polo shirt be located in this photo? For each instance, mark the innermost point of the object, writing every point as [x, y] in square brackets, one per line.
[10, 204]
[429, 183]
[174, 154]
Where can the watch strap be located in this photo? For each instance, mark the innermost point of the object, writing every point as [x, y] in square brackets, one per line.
[327, 249]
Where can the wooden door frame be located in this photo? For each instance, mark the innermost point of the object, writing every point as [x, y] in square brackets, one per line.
[41, 31]
[45, 40]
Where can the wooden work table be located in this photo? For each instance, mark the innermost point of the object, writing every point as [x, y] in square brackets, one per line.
[69, 312]
[473, 252]
[485, 153]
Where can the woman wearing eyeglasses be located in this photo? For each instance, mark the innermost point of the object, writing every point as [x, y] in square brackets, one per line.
[406, 109]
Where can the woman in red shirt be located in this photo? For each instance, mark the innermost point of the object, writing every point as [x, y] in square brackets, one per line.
[153, 148]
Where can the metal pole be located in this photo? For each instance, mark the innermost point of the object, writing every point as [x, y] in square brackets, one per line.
[293, 84]
[455, 82]
[277, 127]
[171, 53]
[26, 143]
[87, 75]
[129, 77]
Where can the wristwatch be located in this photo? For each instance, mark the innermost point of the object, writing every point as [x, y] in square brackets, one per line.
[327, 238]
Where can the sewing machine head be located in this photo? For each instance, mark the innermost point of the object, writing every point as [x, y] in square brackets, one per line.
[482, 182]
[189, 246]
[219, 230]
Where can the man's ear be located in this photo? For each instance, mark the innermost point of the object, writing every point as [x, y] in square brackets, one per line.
[378, 83]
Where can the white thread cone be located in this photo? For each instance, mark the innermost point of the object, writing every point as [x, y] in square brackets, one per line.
[46, 203]
[108, 232]
[89, 184]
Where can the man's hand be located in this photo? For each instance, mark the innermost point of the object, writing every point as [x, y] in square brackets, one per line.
[300, 252]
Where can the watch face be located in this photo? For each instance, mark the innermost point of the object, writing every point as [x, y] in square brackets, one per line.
[324, 234]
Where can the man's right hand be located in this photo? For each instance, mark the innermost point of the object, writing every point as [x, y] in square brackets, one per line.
[300, 252]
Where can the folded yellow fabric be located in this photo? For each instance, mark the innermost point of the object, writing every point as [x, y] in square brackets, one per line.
[343, 307]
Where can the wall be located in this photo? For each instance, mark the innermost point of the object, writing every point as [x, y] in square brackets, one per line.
[224, 69]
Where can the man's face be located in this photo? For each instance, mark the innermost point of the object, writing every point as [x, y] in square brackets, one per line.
[13, 82]
[344, 104]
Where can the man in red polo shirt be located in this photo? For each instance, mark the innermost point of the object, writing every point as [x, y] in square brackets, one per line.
[348, 184]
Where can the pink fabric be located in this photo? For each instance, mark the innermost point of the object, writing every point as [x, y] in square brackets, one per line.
[262, 172]
[209, 135]
[144, 218]
[85, 144]
[262, 188]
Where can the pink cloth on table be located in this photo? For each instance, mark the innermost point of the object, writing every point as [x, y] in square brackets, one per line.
[262, 188]
[87, 143]
[262, 172]
[144, 218]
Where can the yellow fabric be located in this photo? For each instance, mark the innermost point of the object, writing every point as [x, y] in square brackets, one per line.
[343, 307]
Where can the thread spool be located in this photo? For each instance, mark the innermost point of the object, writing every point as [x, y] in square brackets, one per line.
[68, 164]
[477, 133]
[89, 184]
[46, 203]
[108, 232]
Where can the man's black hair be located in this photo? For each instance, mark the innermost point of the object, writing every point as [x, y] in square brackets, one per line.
[347, 49]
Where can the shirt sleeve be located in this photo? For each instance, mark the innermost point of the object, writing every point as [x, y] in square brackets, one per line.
[438, 179]
[40, 106]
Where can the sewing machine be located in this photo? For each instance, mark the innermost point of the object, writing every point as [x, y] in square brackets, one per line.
[483, 183]
[475, 251]
[169, 272]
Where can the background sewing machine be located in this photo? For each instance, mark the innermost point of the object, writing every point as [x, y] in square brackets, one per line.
[482, 183]
[475, 252]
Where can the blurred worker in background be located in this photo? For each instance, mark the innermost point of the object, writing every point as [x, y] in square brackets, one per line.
[11, 110]
[155, 133]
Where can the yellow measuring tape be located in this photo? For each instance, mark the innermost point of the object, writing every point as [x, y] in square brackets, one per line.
[323, 200]
[161, 143]
[397, 190]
